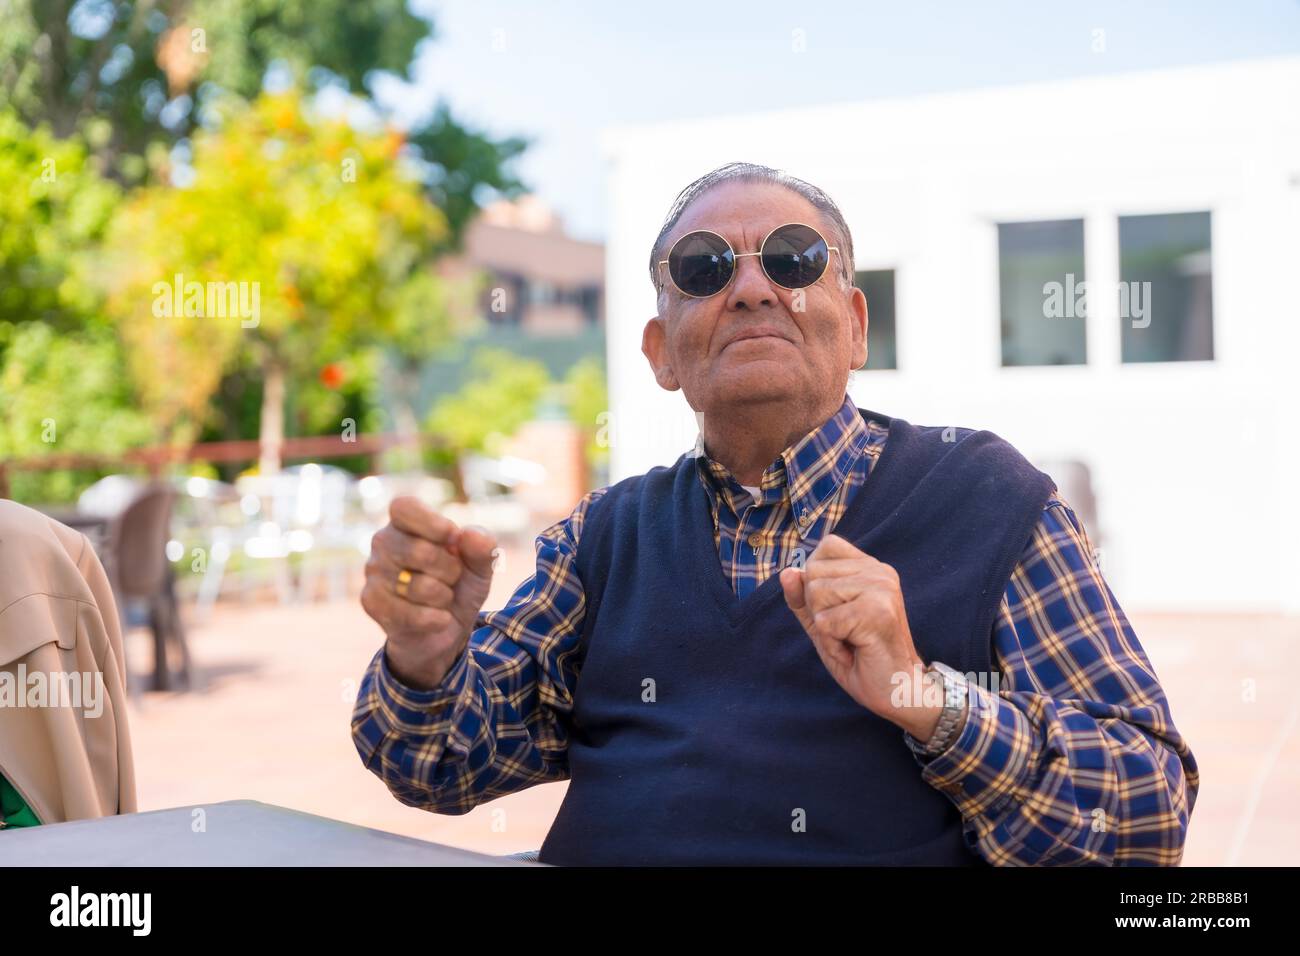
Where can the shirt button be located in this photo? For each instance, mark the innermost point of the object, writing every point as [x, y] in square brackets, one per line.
[755, 539]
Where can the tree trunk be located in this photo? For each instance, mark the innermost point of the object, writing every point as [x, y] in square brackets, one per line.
[457, 478]
[407, 457]
[406, 387]
[271, 432]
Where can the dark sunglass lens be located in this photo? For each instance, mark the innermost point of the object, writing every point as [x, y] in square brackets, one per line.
[700, 263]
[795, 256]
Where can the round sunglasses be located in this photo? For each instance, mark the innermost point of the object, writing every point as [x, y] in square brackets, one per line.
[702, 263]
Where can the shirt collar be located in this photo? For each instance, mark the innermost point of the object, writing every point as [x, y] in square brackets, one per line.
[809, 472]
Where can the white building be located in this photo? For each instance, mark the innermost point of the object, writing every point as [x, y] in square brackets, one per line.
[1190, 426]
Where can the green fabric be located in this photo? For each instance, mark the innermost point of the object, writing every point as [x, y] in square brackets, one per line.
[13, 811]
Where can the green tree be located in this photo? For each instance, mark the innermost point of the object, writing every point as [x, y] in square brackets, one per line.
[54, 211]
[588, 404]
[317, 226]
[62, 394]
[141, 65]
[431, 310]
[61, 390]
[141, 75]
[503, 393]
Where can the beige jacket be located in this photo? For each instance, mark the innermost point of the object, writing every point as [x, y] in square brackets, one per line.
[64, 742]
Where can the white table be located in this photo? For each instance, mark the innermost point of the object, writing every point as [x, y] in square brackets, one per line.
[234, 833]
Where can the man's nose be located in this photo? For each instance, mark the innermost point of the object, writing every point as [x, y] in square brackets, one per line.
[751, 287]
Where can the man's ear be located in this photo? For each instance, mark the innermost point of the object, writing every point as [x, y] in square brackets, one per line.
[654, 343]
[858, 317]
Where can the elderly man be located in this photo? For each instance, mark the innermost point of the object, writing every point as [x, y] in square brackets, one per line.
[825, 636]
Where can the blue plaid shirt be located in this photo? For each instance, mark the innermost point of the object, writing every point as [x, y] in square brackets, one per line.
[1072, 760]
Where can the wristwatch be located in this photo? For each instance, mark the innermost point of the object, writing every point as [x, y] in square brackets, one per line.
[954, 703]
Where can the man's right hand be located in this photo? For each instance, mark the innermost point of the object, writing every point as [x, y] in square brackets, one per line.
[428, 621]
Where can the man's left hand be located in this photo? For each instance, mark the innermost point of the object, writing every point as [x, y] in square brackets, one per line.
[852, 607]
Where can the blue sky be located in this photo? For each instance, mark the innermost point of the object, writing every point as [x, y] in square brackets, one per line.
[562, 71]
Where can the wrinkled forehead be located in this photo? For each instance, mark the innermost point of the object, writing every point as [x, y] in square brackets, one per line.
[744, 212]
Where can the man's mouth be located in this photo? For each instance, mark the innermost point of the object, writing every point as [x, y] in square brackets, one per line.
[758, 332]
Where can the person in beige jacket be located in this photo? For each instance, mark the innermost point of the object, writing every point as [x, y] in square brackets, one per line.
[65, 748]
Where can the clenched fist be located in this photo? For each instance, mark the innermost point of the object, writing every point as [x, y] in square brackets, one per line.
[425, 583]
[852, 607]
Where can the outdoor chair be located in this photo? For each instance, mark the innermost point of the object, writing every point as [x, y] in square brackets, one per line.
[140, 573]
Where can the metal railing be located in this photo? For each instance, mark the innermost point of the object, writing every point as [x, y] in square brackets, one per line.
[155, 458]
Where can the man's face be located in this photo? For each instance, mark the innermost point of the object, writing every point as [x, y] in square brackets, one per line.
[810, 338]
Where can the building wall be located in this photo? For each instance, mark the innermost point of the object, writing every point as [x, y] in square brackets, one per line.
[1193, 463]
[547, 282]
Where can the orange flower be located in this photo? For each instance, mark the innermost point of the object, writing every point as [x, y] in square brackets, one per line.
[291, 297]
[393, 143]
[332, 375]
[284, 117]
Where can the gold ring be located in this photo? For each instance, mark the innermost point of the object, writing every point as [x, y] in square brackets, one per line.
[403, 582]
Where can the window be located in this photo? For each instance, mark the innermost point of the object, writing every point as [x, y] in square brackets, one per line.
[1040, 284]
[1165, 305]
[589, 300]
[503, 299]
[542, 293]
[882, 346]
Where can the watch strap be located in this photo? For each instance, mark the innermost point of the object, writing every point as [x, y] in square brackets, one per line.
[954, 703]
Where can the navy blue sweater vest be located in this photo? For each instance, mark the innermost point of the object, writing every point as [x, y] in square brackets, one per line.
[744, 750]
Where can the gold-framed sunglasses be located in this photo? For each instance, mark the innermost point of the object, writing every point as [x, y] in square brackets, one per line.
[702, 263]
